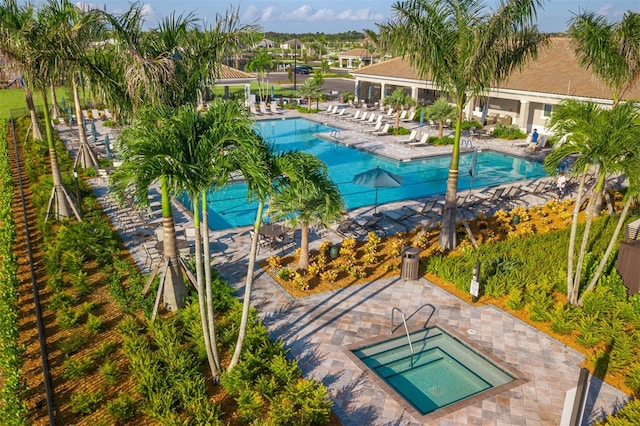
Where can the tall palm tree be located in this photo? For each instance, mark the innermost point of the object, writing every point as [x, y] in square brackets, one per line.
[15, 22]
[310, 90]
[307, 197]
[598, 137]
[610, 50]
[463, 49]
[398, 100]
[262, 63]
[150, 155]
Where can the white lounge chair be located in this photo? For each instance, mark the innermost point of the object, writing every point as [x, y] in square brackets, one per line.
[330, 110]
[372, 117]
[376, 128]
[378, 120]
[253, 110]
[263, 108]
[274, 108]
[423, 141]
[409, 117]
[384, 131]
[355, 116]
[363, 117]
[411, 138]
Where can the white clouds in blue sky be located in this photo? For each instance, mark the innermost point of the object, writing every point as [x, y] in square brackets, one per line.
[331, 16]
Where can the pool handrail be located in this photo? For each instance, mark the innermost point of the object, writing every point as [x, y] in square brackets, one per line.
[406, 329]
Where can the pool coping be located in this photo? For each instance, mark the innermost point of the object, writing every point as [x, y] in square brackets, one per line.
[519, 378]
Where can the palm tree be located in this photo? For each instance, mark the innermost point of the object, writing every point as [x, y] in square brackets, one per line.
[440, 111]
[310, 90]
[150, 155]
[597, 137]
[261, 63]
[610, 50]
[398, 100]
[15, 23]
[463, 50]
[307, 197]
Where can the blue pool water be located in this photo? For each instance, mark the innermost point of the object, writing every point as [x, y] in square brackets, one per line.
[228, 207]
[443, 371]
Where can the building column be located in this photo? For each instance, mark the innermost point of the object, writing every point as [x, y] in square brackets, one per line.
[349, 63]
[414, 93]
[356, 90]
[468, 109]
[524, 115]
[383, 92]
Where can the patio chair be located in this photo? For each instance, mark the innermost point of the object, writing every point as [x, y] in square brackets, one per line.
[253, 110]
[355, 116]
[383, 132]
[371, 225]
[263, 108]
[422, 142]
[331, 110]
[409, 117]
[369, 120]
[363, 117]
[348, 228]
[274, 108]
[411, 138]
[377, 127]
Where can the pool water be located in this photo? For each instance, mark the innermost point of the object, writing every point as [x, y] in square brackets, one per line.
[443, 371]
[229, 208]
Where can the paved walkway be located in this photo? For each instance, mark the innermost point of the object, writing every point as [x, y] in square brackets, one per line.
[318, 329]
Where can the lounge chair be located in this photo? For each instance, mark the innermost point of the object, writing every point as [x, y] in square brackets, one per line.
[409, 117]
[411, 138]
[369, 120]
[403, 115]
[383, 132]
[331, 110]
[377, 127]
[263, 108]
[390, 112]
[340, 113]
[355, 116]
[348, 228]
[363, 117]
[378, 120]
[371, 225]
[274, 108]
[422, 142]
[253, 110]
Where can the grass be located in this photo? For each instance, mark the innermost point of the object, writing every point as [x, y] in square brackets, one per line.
[13, 99]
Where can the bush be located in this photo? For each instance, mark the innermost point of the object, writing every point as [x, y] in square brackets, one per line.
[122, 408]
[85, 402]
[94, 324]
[75, 369]
[508, 132]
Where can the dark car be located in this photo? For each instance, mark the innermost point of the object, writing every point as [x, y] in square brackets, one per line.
[303, 69]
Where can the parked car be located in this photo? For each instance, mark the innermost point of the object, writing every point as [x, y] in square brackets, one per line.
[303, 69]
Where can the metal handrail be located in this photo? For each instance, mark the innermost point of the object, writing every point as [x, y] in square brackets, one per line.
[406, 329]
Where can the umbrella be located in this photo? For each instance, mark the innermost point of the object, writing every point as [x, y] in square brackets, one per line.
[356, 90]
[94, 132]
[370, 93]
[421, 119]
[107, 148]
[377, 178]
[273, 92]
[473, 171]
[483, 119]
[63, 103]
[70, 113]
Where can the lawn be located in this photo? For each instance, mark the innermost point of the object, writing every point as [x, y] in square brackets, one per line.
[13, 99]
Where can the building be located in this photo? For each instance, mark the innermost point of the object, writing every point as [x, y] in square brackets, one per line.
[356, 58]
[526, 99]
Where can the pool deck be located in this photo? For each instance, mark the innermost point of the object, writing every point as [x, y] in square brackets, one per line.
[317, 329]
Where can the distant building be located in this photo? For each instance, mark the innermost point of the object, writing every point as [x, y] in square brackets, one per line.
[356, 58]
[289, 44]
[526, 99]
[265, 43]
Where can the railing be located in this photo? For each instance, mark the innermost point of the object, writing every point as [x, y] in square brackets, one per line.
[466, 143]
[335, 134]
[404, 321]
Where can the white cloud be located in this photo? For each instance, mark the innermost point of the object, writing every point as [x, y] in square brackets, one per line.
[306, 13]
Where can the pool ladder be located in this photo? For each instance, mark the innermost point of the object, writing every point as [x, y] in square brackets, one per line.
[406, 329]
[335, 134]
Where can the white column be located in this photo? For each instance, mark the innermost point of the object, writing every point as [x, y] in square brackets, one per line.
[414, 93]
[357, 97]
[383, 92]
[524, 114]
[468, 110]
[349, 63]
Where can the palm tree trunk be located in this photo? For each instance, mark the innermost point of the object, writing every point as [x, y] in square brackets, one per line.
[585, 237]
[609, 250]
[207, 279]
[397, 118]
[440, 129]
[247, 288]
[174, 288]
[303, 262]
[55, 111]
[35, 126]
[60, 199]
[86, 157]
[201, 288]
[572, 296]
[447, 240]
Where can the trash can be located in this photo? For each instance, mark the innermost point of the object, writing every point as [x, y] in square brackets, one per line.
[410, 263]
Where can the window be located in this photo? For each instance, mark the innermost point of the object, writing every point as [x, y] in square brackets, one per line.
[546, 110]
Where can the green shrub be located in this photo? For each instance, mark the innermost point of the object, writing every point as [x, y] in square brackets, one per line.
[122, 408]
[305, 402]
[67, 318]
[250, 405]
[110, 372]
[445, 140]
[563, 318]
[515, 301]
[508, 132]
[104, 351]
[73, 343]
[76, 368]
[94, 324]
[589, 328]
[85, 402]
[61, 300]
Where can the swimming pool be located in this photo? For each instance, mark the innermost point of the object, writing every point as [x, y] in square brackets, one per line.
[228, 208]
[443, 371]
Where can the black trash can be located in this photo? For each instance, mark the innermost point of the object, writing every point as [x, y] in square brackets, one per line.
[410, 263]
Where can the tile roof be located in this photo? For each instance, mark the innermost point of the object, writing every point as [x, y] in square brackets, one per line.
[555, 71]
[229, 73]
[360, 53]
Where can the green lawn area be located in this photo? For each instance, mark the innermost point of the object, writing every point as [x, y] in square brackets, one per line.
[13, 99]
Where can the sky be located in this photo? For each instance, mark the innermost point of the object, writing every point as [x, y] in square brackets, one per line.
[332, 16]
